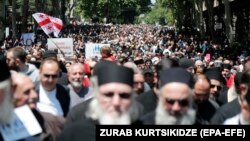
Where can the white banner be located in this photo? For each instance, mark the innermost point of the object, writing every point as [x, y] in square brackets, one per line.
[93, 50]
[61, 44]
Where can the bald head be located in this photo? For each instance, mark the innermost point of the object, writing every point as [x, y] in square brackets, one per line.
[201, 88]
[202, 80]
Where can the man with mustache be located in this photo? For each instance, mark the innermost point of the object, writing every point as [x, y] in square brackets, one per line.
[78, 93]
[113, 103]
[175, 99]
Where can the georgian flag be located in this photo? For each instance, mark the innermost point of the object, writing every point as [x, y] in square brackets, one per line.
[48, 23]
[57, 25]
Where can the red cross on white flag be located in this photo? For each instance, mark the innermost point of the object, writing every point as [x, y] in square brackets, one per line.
[57, 25]
[48, 23]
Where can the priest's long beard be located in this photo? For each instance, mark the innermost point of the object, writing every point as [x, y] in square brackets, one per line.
[6, 107]
[163, 117]
[95, 112]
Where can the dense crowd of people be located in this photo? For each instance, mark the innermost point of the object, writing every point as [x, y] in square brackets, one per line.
[149, 75]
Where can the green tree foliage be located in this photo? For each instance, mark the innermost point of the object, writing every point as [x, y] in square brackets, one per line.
[121, 11]
[159, 13]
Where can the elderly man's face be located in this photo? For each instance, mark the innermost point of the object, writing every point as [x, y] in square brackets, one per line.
[115, 98]
[175, 98]
[25, 94]
[174, 107]
[76, 75]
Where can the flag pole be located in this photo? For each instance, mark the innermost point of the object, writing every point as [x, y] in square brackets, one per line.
[43, 20]
[56, 45]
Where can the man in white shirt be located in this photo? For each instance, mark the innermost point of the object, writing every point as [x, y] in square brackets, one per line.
[53, 97]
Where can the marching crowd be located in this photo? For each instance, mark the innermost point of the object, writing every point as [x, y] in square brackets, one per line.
[149, 75]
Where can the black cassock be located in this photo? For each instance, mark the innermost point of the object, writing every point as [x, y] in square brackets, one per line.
[148, 100]
[226, 111]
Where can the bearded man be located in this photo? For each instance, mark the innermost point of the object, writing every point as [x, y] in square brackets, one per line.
[175, 100]
[78, 92]
[113, 103]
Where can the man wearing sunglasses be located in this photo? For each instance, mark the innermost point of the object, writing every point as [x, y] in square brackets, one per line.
[175, 99]
[52, 97]
[113, 103]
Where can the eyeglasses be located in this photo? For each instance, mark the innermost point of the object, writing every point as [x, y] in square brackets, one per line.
[121, 95]
[181, 102]
[54, 76]
[218, 87]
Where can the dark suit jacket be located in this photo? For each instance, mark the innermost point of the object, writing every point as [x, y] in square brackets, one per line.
[227, 110]
[62, 94]
[149, 101]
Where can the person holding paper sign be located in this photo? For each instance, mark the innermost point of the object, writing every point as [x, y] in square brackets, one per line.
[26, 95]
[12, 125]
